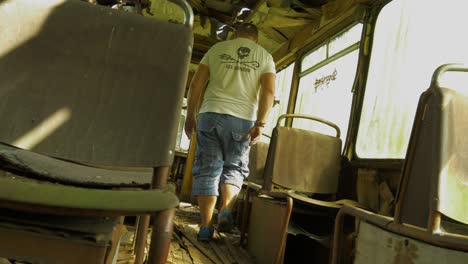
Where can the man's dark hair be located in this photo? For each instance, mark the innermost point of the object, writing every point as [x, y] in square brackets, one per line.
[248, 29]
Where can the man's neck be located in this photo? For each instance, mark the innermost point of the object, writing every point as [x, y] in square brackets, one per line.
[247, 37]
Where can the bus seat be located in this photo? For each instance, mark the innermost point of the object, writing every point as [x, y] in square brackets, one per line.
[90, 101]
[299, 164]
[303, 161]
[441, 133]
[431, 212]
[257, 159]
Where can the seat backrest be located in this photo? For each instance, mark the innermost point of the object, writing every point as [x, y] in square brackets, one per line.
[304, 161]
[257, 159]
[91, 84]
[435, 175]
[452, 183]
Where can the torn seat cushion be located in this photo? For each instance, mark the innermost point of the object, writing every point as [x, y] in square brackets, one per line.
[42, 167]
[86, 232]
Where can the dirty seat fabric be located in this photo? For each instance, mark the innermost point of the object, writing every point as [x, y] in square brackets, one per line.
[40, 166]
[312, 164]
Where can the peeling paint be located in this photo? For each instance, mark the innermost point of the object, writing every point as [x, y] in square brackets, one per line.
[406, 252]
[375, 245]
[390, 242]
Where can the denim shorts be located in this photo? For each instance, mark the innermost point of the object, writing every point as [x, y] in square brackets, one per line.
[222, 155]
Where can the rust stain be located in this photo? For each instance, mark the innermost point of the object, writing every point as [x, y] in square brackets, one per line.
[390, 242]
[406, 252]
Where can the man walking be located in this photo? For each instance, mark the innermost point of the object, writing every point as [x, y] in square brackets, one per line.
[239, 77]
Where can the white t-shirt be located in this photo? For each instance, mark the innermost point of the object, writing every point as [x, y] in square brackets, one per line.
[234, 83]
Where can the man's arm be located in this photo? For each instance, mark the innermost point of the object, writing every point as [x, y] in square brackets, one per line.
[267, 97]
[197, 86]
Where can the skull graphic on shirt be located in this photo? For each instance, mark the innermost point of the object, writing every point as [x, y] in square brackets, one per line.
[243, 52]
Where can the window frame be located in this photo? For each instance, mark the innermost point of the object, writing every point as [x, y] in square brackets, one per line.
[288, 101]
[356, 160]
[329, 59]
[367, 41]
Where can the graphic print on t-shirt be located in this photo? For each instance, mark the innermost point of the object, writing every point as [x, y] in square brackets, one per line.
[242, 53]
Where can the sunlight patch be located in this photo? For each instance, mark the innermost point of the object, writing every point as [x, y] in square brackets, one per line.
[44, 129]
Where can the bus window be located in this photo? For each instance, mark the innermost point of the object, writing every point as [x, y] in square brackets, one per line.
[325, 86]
[314, 57]
[345, 40]
[282, 91]
[409, 44]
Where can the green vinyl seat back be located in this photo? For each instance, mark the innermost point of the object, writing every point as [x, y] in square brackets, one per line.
[89, 97]
[91, 84]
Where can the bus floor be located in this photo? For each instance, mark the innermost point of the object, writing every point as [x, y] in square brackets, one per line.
[185, 249]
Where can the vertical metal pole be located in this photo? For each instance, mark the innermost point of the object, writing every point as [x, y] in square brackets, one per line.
[141, 235]
[138, 7]
[161, 237]
[163, 223]
[245, 215]
[162, 227]
[434, 221]
[338, 229]
[284, 231]
[186, 190]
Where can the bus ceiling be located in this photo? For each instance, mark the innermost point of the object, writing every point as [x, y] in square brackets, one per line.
[285, 26]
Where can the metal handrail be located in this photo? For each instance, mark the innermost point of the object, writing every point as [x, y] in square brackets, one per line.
[453, 67]
[188, 20]
[314, 118]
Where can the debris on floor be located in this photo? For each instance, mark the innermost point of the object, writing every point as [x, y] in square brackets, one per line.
[224, 248]
[185, 248]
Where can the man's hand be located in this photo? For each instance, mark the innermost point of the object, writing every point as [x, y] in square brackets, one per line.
[254, 134]
[190, 125]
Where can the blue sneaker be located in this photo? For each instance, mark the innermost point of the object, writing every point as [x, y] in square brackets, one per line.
[205, 234]
[225, 221]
